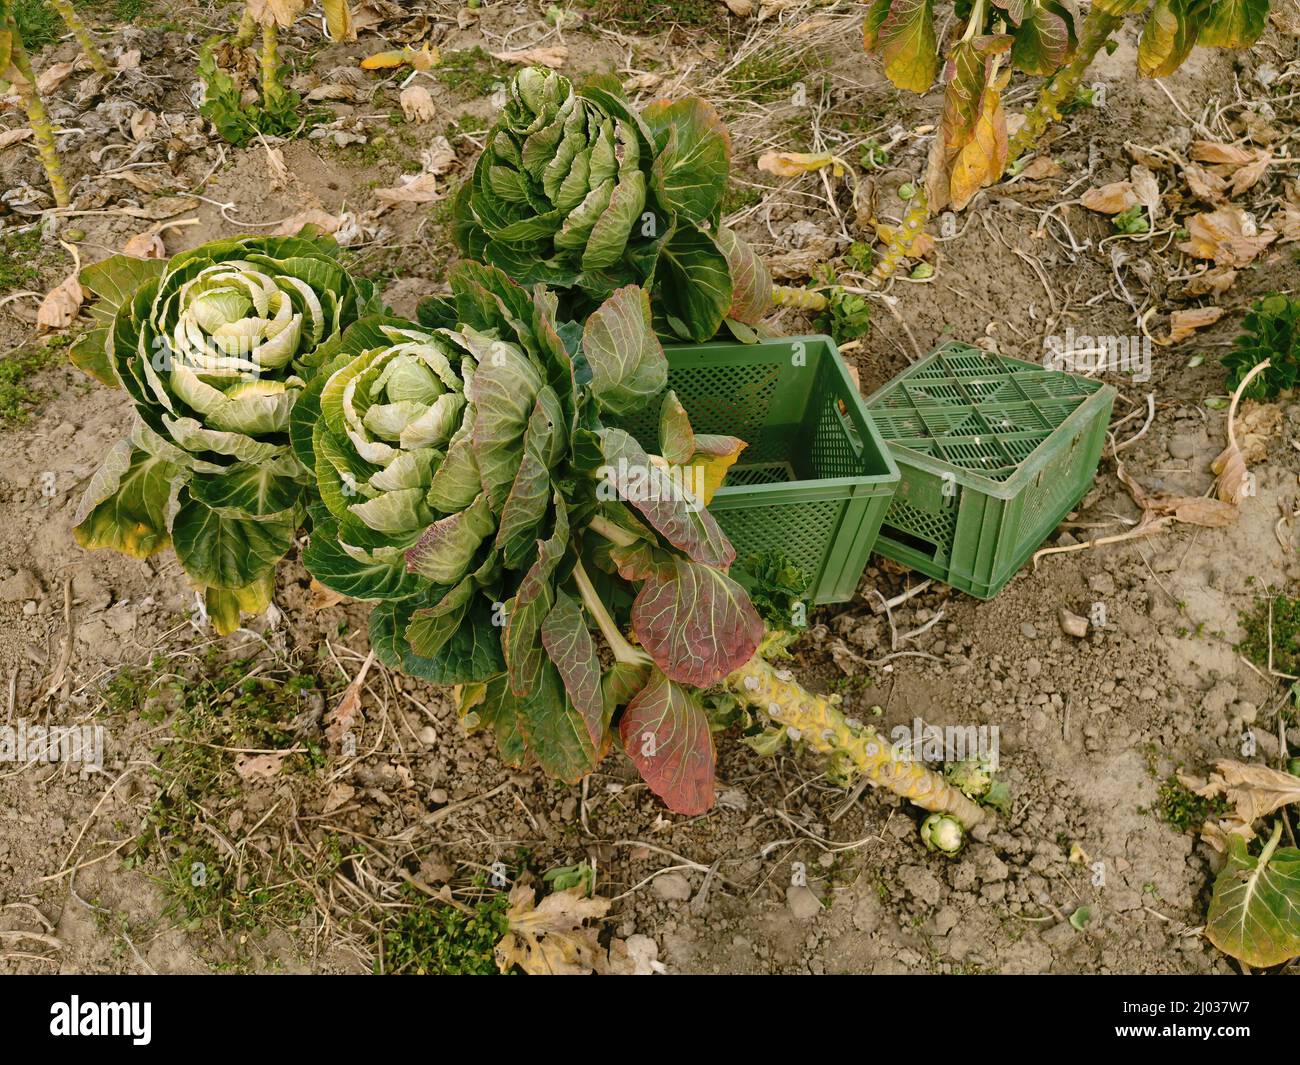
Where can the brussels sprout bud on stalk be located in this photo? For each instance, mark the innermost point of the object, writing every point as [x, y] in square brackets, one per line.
[943, 833]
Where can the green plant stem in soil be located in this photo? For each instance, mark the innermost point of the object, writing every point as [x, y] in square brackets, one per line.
[801, 299]
[903, 237]
[1097, 30]
[42, 131]
[271, 89]
[246, 31]
[82, 33]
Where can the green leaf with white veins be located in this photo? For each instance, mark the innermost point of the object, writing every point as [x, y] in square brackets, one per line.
[445, 549]
[692, 282]
[570, 647]
[627, 362]
[227, 552]
[1233, 23]
[683, 522]
[690, 170]
[902, 33]
[1255, 910]
[115, 281]
[666, 734]
[505, 388]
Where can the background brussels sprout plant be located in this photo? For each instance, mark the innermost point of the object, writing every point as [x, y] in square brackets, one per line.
[214, 347]
[223, 78]
[992, 39]
[16, 67]
[578, 189]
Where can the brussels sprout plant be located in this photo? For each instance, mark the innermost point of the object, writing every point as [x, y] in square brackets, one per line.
[16, 68]
[214, 348]
[1037, 37]
[473, 482]
[577, 189]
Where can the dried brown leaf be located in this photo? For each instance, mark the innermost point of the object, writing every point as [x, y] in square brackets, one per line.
[254, 767]
[1183, 324]
[59, 308]
[1228, 236]
[1205, 184]
[1113, 198]
[281, 12]
[552, 55]
[1044, 166]
[1214, 152]
[146, 245]
[1214, 282]
[13, 136]
[417, 104]
[1255, 790]
[548, 938]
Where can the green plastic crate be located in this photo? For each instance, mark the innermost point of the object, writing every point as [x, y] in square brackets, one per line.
[994, 452]
[816, 478]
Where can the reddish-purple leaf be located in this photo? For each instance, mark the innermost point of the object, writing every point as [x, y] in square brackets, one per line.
[696, 623]
[666, 735]
[682, 521]
[571, 648]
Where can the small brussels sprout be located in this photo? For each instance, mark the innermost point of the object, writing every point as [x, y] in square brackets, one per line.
[942, 833]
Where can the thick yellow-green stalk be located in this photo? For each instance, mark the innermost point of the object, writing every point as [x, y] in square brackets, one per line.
[902, 239]
[801, 299]
[1097, 28]
[822, 726]
[42, 130]
[270, 63]
[247, 30]
[79, 30]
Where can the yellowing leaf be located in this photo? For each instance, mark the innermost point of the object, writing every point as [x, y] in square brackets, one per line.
[338, 20]
[982, 160]
[902, 32]
[1110, 199]
[792, 164]
[425, 59]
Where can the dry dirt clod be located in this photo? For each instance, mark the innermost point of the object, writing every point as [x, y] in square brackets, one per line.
[1072, 624]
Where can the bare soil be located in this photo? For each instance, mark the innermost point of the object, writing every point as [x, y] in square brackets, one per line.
[1089, 728]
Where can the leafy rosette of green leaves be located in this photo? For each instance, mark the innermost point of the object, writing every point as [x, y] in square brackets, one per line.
[213, 347]
[1270, 330]
[577, 189]
[375, 426]
[533, 522]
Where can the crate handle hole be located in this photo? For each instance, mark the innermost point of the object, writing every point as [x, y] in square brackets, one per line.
[907, 539]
